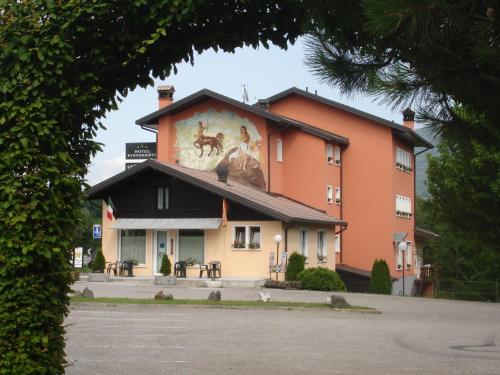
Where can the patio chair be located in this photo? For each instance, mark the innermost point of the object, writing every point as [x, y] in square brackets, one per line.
[203, 268]
[112, 266]
[214, 269]
[180, 268]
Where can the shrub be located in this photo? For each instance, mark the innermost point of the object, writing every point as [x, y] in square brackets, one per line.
[321, 279]
[380, 282]
[296, 264]
[99, 262]
[166, 266]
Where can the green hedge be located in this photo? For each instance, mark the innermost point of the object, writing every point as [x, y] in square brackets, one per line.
[380, 282]
[166, 266]
[321, 279]
[296, 264]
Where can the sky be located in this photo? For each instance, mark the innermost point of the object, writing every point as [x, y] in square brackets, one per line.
[264, 71]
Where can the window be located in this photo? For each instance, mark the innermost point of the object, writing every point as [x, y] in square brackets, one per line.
[321, 244]
[246, 237]
[399, 257]
[303, 242]
[133, 245]
[192, 245]
[409, 254]
[279, 150]
[403, 160]
[337, 243]
[329, 153]
[337, 195]
[403, 206]
[337, 155]
[329, 194]
[162, 197]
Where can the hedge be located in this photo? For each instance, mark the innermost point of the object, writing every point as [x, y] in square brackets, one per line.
[321, 279]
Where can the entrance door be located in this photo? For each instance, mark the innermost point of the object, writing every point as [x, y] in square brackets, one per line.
[192, 245]
[160, 249]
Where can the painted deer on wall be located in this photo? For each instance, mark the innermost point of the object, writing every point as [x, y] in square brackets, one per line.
[202, 140]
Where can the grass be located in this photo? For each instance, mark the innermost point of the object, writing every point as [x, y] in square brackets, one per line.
[223, 303]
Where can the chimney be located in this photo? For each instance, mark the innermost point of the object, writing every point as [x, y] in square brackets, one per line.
[165, 95]
[409, 118]
[222, 171]
[263, 104]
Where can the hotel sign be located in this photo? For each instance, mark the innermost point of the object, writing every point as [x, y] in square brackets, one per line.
[143, 150]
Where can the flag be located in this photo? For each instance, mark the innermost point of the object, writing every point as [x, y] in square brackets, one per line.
[224, 212]
[110, 209]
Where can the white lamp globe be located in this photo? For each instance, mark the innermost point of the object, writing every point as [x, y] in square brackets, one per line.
[402, 246]
[277, 238]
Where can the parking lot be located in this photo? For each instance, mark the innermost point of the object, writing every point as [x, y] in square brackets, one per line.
[410, 336]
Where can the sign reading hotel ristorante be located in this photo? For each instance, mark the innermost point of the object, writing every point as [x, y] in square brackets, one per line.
[143, 150]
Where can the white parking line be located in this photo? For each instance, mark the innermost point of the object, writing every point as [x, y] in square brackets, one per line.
[132, 347]
[112, 335]
[104, 312]
[127, 319]
[119, 326]
[115, 362]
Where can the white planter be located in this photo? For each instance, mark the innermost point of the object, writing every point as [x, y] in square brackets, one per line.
[165, 280]
[98, 277]
[213, 284]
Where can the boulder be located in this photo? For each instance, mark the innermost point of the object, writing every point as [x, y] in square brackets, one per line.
[338, 302]
[87, 293]
[214, 296]
[162, 296]
[264, 297]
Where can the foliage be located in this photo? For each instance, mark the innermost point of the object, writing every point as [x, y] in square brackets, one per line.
[296, 264]
[464, 182]
[320, 278]
[62, 66]
[166, 266]
[368, 46]
[380, 281]
[89, 214]
[99, 262]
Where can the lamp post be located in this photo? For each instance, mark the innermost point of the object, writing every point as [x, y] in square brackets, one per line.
[277, 239]
[403, 246]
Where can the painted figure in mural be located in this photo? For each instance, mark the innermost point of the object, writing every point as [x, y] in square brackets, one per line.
[202, 140]
[243, 153]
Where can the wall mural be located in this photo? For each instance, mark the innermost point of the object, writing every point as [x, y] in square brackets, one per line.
[208, 139]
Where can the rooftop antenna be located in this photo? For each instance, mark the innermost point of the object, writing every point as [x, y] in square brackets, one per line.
[245, 93]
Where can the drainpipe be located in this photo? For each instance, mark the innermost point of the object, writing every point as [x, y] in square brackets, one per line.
[155, 132]
[291, 225]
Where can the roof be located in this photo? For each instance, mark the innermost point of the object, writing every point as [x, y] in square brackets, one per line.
[205, 94]
[402, 131]
[356, 271]
[277, 207]
[426, 234]
[167, 223]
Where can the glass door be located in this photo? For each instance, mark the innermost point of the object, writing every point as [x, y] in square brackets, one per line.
[161, 248]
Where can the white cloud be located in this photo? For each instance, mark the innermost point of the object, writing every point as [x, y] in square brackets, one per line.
[102, 169]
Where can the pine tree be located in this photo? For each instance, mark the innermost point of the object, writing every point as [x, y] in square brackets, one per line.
[166, 266]
[380, 282]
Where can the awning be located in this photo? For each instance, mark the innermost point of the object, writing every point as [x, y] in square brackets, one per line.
[399, 236]
[153, 223]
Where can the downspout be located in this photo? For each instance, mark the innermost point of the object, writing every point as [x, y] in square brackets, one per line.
[341, 207]
[155, 133]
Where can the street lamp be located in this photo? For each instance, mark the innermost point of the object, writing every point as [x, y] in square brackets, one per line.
[277, 239]
[403, 246]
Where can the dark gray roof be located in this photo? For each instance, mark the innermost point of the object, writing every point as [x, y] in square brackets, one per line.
[425, 234]
[399, 130]
[278, 207]
[205, 94]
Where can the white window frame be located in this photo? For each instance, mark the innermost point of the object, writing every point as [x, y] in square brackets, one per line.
[279, 150]
[399, 258]
[304, 240]
[338, 198]
[403, 207]
[247, 236]
[119, 243]
[164, 192]
[337, 243]
[329, 153]
[408, 255]
[337, 156]
[321, 252]
[403, 160]
[329, 194]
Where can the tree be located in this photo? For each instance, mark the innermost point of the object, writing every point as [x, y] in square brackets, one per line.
[296, 264]
[166, 266]
[411, 53]
[64, 65]
[380, 281]
[99, 262]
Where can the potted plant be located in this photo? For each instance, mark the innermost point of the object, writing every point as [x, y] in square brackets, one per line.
[165, 270]
[98, 266]
[321, 258]
[238, 244]
[254, 245]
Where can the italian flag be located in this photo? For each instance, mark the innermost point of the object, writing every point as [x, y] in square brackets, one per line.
[110, 209]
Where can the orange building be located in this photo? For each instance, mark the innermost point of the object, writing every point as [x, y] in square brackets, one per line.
[346, 175]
